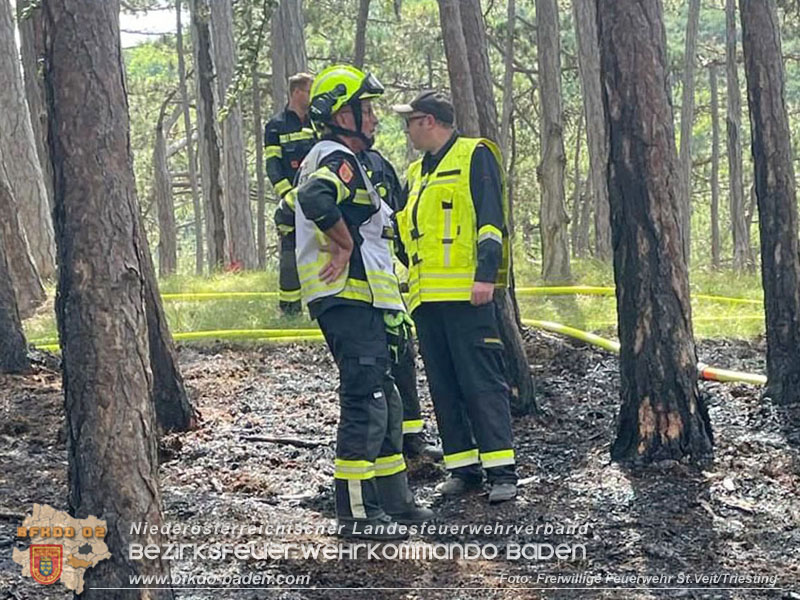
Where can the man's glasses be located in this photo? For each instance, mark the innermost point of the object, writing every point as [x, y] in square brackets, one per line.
[409, 120]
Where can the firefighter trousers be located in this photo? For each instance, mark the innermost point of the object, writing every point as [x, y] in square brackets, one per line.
[369, 439]
[288, 279]
[404, 372]
[463, 356]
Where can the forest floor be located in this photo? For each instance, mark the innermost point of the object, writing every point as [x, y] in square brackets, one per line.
[738, 516]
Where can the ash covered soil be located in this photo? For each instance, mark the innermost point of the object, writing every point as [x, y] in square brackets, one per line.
[738, 515]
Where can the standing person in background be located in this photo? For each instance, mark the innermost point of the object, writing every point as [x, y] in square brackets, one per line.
[404, 369]
[344, 259]
[454, 237]
[287, 139]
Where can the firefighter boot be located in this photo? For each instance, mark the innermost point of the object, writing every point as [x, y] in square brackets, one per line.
[398, 501]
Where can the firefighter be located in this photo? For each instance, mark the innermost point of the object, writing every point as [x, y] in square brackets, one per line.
[287, 139]
[344, 261]
[454, 237]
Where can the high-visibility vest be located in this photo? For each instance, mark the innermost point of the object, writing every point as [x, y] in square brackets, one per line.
[381, 288]
[438, 227]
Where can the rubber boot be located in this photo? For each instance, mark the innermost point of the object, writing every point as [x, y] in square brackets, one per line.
[398, 501]
[414, 445]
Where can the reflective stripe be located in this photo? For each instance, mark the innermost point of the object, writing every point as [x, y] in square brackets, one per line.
[389, 465]
[289, 295]
[461, 459]
[284, 229]
[303, 134]
[440, 182]
[287, 202]
[283, 187]
[498, 458]
[362, 197]
[413, 426]
[325, 173]
[356, 498]
[490, 232]
[354, 469]
[448, 231]
[273, 152]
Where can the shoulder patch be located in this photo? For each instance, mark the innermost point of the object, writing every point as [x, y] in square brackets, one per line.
[345, 172]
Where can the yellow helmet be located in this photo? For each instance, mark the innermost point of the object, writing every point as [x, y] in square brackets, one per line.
[337, 86]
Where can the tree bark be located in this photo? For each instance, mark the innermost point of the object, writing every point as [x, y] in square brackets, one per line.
[111, 441]
[13, 351]
[31, 36]
[458, 68]
[162, 187]
[360, 50]
[288, 48]
[187, 127]
[25, 280]
[715, 250]
[553, 217]
[20, 161]
[258, 130]
[775, 192]
[473, 68]
[209, 138]
[662, 414]
[585, 15]
[739, 229]
[236, 197]
[508, 81]
[687, 120]
[576, 194]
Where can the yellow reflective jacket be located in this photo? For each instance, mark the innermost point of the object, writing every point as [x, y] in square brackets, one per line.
[438, 227]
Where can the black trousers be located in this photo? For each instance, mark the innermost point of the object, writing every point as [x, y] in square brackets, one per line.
[369, 439]
[288, 280]
[404, 372]
[463, 356]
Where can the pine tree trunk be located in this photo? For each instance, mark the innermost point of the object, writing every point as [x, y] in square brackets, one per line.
[18, 151]
[576, 194]
[208, 134]
[187, 127]
[13, 351]
[288, 48]
[458, 68]
[508, 81]
[473, 68]
[662, 414]
[360, 50]
[585, 15]
[236, 197]
[31, 35]
[715, 250]
[739, 227]
[687, 120]
[775, 192]
[258, 130]
[111, 429]
[553, 219]
[162, 188]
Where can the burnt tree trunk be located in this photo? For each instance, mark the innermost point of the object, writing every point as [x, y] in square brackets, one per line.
[162, 187]
[473, 67]
[775, 192]
[508, 81]
[13, 352]
[190, 159]
[712, 80]
[662, 414]
[360, 49]
[739, 227]
[553, 219]
[111, 429]
[585, 14]
[208, 134]
[687, 120]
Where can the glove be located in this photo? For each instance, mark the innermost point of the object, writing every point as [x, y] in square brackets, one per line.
[398, 332]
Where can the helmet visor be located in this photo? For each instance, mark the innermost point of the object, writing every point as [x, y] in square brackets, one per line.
[370, 87]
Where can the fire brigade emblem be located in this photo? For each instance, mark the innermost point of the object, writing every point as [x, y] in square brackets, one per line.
[46, 562]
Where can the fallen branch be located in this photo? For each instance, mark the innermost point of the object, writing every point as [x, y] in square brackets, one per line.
[287, 440]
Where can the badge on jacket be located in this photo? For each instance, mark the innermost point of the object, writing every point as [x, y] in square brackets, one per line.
[345, 172]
